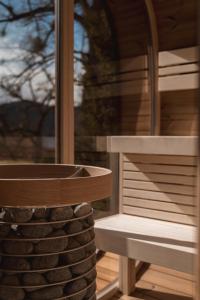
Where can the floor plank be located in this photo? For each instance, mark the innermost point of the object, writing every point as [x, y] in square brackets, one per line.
[172, 272]
[181, 285]
[157, 283]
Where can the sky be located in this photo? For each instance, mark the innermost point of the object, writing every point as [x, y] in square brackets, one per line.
[15, 49]
[14, 45]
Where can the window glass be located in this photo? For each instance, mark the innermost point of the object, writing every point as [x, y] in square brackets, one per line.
[27, 80]
[110, 80]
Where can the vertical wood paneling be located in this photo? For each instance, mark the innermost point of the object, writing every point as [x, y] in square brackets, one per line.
[65, 81]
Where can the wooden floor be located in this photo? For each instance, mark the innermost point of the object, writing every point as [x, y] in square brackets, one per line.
[154, 282]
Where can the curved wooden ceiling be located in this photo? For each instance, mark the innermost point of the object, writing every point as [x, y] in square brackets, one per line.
[176, 21]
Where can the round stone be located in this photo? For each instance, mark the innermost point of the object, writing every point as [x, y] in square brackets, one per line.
[19, 215]
[59, 275]
[52, 246]
[58, 225]
[15, 263]
[90, 291]
[61, 213]
[73, 256]
[4, 230]
[59, 232]
[75, 286]
[92, 234]
[74, 227]
[36, 231]
[45, 262]
[90, 249]
[83, 238]
[47, 293]
[72, 243]
[85, 224]
[91, 276]
[17, 247]
[79, 296]
[41, 213]
[82, 210]
[90, 220]
[7, 293]
[10, 280]
[36, 279]
[82, 268]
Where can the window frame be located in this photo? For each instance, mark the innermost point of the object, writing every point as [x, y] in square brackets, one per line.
[64, 25]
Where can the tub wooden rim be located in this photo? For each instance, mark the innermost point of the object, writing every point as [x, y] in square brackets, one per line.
[52, 185]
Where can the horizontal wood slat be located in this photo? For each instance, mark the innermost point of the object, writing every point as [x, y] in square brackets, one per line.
[161, 169]
[178, 69]
[137, 86]
[167, 197]
[153, 145]
[159, 186]
[178, 56]
[183, 82]
[161, 206]
[159, 215]
[162, 159]
[163, 178]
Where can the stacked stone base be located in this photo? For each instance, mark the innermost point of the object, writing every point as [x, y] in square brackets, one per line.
[47, 253]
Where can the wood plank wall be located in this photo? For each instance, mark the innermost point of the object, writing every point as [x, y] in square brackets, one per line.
[159, 187]
[178, 85]
[130, 23]
[177, 23]
[127, 88]
[177, 29]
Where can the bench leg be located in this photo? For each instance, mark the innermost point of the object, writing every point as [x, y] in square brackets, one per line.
[127, 275]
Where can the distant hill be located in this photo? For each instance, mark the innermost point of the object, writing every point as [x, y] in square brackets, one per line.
[27, 116]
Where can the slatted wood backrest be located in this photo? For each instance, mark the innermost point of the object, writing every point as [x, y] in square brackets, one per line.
[159, 187]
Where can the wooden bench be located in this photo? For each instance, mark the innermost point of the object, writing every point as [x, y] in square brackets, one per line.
[156, 220]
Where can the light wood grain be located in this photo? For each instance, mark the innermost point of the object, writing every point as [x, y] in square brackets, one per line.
[154, 145]
[162, 159]
[159, 215]
[127, 277]
[49, 185]
[153, 49]
[160, 206]
[152, 287]
[159, 187]
[161, 169]
[128, 226]
[65, 82]
[162, 178]
[159, 196]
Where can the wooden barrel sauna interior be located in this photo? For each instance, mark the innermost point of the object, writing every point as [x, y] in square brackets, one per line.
[48, 250]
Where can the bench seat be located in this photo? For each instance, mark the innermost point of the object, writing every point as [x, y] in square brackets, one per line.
[159, 242]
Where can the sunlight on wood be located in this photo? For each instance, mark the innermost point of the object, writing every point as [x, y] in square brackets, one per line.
[156, 282]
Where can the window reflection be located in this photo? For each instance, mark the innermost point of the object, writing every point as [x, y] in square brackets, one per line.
[111, 78]
[27, 80]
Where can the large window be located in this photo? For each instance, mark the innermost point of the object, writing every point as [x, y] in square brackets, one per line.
[111, 95]
[27, 80]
